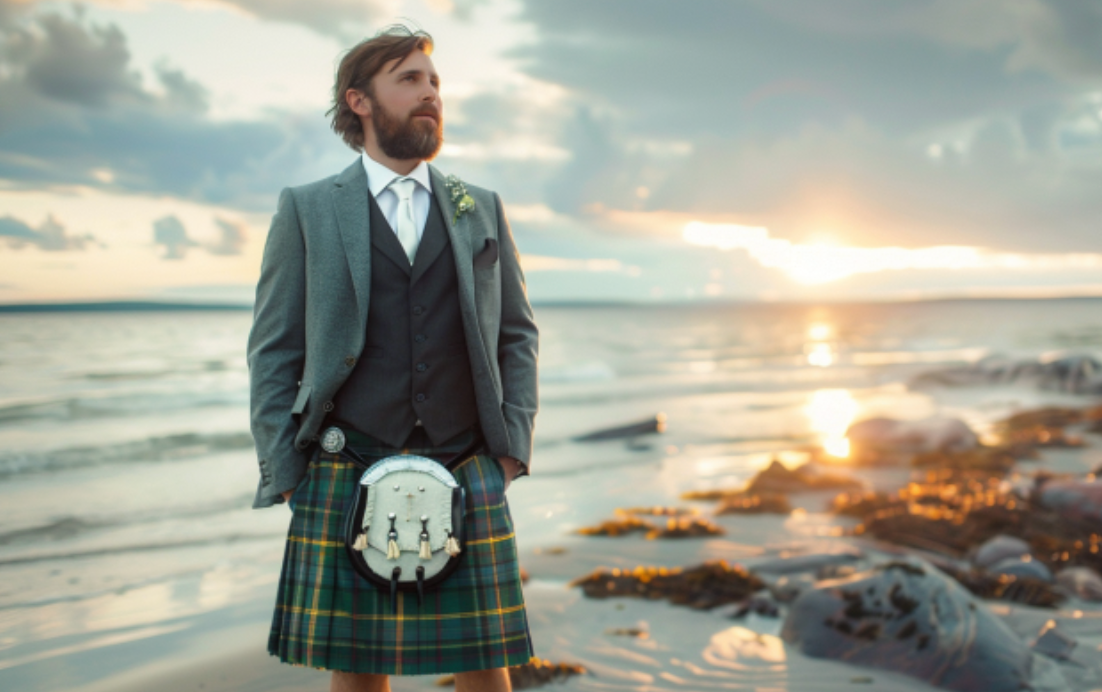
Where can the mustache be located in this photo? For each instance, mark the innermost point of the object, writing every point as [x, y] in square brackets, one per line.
[430, 111]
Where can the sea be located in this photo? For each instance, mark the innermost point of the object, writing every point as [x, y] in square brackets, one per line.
[127, 467]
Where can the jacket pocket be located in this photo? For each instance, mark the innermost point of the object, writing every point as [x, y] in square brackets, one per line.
[300, 401]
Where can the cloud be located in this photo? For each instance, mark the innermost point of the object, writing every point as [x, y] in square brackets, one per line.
[170, 232]
[233, 234]
[73, 111]
[50, 235]
[963, 122]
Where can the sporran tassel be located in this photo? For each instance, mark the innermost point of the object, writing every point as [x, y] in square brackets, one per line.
[451, 546]
[392, 552]
[361, 542]
[426, 551]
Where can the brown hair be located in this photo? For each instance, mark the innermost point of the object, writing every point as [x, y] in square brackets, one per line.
[360, 64]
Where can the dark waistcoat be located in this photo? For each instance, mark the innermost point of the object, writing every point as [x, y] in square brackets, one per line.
[414, 365]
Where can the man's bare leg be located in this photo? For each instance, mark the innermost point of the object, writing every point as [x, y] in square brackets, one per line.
[493, 680]
[359, 682]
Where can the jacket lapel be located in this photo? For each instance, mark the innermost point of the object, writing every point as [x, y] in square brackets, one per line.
[350, 203]
[461, 249]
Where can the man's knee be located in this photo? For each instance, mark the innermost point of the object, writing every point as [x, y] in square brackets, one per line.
[359, 682]
[492, 680]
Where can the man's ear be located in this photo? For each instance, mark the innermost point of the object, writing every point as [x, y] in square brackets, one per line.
[358, 102]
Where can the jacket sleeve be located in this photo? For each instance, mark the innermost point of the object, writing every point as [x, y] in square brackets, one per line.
[276, 354]
[518, 344]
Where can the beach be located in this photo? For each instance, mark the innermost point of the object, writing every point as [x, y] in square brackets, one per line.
[108, 582]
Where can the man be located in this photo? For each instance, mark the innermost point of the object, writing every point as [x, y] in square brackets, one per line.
[397, 312]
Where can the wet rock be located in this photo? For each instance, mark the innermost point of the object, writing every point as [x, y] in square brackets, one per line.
[620, 526]
[788, 587]
[989, 459]
[908, 617]
[628, 632]
[1006, 587]
[686, 527]
[706, 586]
[1023, 567]
[889, 441]
[1054, 643]
[778, 478]
[1073, 373]
[535, 673]
[764, 503]
[658, 511]
[1081, 582]
[673, 527]
[1079, 499]
[758, 605]
[998, 549]
[795, 561]
[650, 426]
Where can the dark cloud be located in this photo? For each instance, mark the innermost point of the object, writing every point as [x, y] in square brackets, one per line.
[60, 127]
[232, 239]
[50, 235]
[910, 122]
[170, 232]
[343, 19]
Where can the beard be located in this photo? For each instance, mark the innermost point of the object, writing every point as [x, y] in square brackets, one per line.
[406, 138]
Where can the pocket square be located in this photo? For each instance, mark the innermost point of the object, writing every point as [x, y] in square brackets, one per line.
[487, 256]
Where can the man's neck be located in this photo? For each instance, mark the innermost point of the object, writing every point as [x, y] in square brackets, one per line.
[399, 166]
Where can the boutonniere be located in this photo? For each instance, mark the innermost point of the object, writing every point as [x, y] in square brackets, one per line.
[463, 202]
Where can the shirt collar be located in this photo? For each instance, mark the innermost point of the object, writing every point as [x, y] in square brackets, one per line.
[379, 176]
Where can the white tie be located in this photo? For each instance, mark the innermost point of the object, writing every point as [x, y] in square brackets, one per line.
[406, 229]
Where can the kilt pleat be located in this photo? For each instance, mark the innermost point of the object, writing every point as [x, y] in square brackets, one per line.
[328, 617]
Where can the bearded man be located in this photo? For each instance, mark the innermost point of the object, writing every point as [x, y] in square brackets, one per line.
[396, 313]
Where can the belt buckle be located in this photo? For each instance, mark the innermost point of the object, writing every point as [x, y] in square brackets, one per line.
[332, 440]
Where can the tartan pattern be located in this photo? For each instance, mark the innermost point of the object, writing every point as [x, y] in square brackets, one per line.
[328, 617]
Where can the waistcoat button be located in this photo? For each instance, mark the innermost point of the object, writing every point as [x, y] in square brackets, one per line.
[420, 338]
[420, 397]
[349, 361]
[417, 309]
[421, 367]
[327, 406]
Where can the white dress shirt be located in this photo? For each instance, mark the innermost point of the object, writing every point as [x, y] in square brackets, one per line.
[379, 177]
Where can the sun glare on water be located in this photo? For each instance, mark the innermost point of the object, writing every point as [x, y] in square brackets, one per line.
[830, 412]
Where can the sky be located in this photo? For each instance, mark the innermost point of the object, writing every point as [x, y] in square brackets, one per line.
[646, 150]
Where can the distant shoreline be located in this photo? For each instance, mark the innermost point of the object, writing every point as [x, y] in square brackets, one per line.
[164, 306]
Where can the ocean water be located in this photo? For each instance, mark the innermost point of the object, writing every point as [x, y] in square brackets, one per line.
[127, 468]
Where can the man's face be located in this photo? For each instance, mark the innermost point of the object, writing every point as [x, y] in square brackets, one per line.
[406, 111]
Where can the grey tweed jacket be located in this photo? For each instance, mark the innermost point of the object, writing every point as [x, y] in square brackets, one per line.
[311, 312]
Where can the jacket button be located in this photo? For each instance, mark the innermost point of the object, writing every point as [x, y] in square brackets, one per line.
[421, 367]
[327, 406]
[299, 383]
[419, 397]
[420, 338]
[349, 361]
[417, 309]
[302, 444]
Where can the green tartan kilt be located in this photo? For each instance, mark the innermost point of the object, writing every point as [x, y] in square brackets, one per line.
[329, 617]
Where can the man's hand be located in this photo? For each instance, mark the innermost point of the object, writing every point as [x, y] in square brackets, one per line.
[287, 494]
[511, 467]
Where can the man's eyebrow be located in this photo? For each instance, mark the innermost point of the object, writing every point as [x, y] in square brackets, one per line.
[418, 72]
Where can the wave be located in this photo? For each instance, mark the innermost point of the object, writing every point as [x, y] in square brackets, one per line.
[148, 450]
[144, 547]
[86, 407]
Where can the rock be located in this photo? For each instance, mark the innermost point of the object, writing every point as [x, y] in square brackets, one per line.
[657, 424]
[1081, 582]
[1075, 499]
[1023, 567]
[621, 526]
[795, 561]
[758, 605]
[706, 586]
[686, 527]
[788, 587]
[658, 511]
[1053, 643]
[1073, 373]
[771, 503]
[778, 478]
[886, 440]
[998, 549]
[907, 617]
[990, 459]
[535, 673]
[635, 632]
